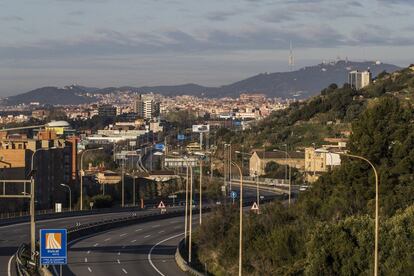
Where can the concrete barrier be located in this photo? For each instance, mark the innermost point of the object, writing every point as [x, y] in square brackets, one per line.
[182, 264]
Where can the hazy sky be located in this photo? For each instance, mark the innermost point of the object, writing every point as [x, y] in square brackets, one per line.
[214, 42]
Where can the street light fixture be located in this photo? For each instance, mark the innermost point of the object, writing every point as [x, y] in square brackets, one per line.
[290, 171]
[70, 195]
[241, 219]
[257, 178]
[82, 172]
[32, 201]
[376, 202]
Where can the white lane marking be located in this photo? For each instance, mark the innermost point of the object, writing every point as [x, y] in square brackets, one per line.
[152, 249]
[140, 229]
[154, 226]
[9, 265]
[133, 241]
[124, 271]
[86, 260]
[162, 231]
[123, 234]
[118, 261]
[147, 236]
[119, 253]
[176, 227]
[107, 239]
[88, 252]
[96, 244]
[173, 221]
[90, 270]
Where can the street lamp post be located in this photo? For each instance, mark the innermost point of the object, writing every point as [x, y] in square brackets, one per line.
[70, 195]
[123, 183]
[32, 202]
[290, 173]
[201, 190]
[191, 215]
[186, 206]
[82, 172]
[257, 178]
[133, 190]
[241, 219]
[189, 168]
[376, 206]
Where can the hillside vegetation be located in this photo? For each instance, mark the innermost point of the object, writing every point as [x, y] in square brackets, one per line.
[330, 229]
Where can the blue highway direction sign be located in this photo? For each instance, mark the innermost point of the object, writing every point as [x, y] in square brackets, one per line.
[233, 194]
[53, 247]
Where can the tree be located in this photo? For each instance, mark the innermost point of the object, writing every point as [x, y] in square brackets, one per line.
[102, 201]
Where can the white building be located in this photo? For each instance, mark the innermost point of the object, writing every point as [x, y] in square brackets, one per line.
[359, 80]
[146, 108]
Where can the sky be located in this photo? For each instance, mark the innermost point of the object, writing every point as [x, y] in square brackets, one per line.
[104, 43]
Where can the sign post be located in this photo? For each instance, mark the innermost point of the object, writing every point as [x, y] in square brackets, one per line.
[233, 195]
[255, 208]
[173, 198]
[161, 206]
[53, 247]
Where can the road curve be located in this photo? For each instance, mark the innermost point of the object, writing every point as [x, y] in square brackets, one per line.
[11, 236]
[141, 249]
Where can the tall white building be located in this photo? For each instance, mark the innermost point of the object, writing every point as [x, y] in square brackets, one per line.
[359, 80]
[146, 108]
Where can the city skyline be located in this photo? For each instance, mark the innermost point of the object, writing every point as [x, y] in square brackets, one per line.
[105, 43]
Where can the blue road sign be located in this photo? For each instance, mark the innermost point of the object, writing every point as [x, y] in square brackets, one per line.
[53, 247]
[233, 194]
[180, 137]
[159, 146]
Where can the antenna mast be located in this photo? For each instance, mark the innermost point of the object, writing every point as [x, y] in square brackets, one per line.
[291, 58]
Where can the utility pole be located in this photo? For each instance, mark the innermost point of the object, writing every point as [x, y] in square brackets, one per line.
[82, 173]
[32, 204]
[70, 195]
[225, 170]
[186, 207]
[290, 173]
[191, 216]
[123, 182]
[230, 160]
[201, 189]
[241, 220]
[133, 189]
[286, 161]
[376, 206]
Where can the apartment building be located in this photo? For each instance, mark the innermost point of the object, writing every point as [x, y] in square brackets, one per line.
[54, 163]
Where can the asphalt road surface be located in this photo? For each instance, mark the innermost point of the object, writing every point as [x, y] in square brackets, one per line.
[140, 249]
[11, 236]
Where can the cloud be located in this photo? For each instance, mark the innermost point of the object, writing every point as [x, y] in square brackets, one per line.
[76, 13]
[221, 15]
[71, 23]
[108, 42]
[379, 35]
[11, 18]
[306, 9]
[404, 2]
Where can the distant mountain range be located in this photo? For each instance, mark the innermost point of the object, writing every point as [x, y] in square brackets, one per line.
[302, 83]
